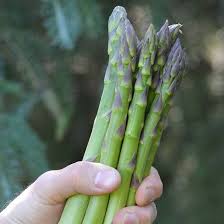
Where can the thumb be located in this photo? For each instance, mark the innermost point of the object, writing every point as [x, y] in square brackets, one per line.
[81, 177]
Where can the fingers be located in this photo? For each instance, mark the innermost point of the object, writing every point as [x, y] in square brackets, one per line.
[136, 215]
[150, 189]
[81, 177]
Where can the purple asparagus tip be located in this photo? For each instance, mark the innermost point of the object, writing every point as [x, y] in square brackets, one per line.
[164, 36]
[175, 30]
[118, 13]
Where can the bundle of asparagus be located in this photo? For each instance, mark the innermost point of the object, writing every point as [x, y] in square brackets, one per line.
[140, 82]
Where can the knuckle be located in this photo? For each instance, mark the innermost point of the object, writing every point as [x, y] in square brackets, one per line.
[45, 177]
[80, 165]
[79, 169]
[40, 188]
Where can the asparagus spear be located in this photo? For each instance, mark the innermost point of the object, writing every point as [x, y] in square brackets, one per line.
[102, 119]
[172, 75]
[167, 35]
[112, 142]
[135, 123]
[76, 206]
[156, 140]
[174, 31]
[161, 126]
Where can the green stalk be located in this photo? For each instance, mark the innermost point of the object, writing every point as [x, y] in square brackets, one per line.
[167, 35]
[112, 142]
[157, 140]
[76, 206]
[172, 75]
[135, 123]
[172, 35]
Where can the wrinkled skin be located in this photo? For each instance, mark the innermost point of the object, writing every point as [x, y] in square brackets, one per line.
[43, 201]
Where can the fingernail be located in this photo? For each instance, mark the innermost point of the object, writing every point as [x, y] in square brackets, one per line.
[130, 218]
[105, 179]
[149, 194]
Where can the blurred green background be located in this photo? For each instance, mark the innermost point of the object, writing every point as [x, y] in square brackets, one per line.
[52, 62]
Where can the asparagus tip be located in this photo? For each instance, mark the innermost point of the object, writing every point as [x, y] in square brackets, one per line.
[115, 27]
[175, 67]
[118, 13]
[149, 45]
[174, 52]
[164, 36]
[131, 37]
[175, 30]
[163, 28]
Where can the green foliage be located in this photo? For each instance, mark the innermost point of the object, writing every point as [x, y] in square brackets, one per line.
[66, 20]
[63, 22]
[22, 155]
[28, 55]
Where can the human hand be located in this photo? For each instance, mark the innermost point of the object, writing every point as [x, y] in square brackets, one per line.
[43, 201]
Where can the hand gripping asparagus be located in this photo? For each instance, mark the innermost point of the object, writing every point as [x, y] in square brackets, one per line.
[112, 142]
[135, 123]
[76, 206]
[172, 75]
